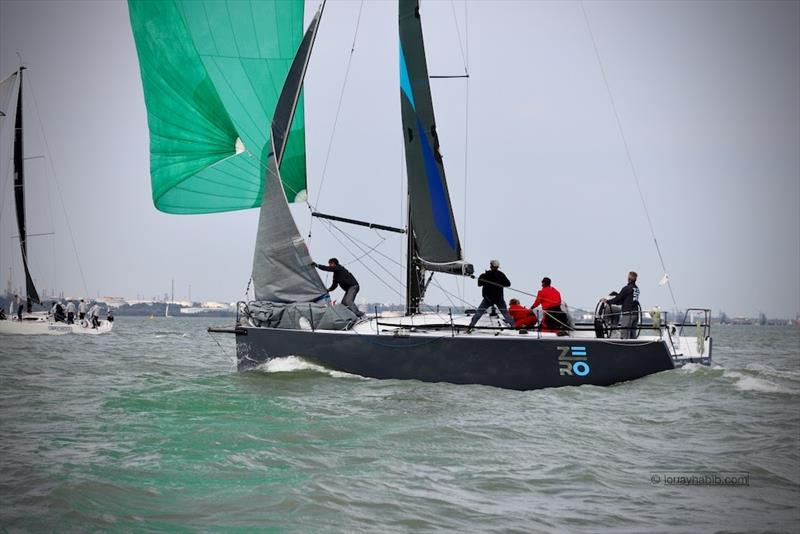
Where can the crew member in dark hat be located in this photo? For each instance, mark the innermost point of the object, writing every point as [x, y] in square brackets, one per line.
[492, 281]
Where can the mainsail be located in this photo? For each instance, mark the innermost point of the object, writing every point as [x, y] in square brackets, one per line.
[430, 212]
[11, 110]
[282, 267]
[212, 71]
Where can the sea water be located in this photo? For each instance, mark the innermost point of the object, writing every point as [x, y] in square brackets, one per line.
[150, 428]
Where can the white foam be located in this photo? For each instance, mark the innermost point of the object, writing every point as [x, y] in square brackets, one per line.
[293, 364]
[770, 371]
[745, 382]
[690, 368]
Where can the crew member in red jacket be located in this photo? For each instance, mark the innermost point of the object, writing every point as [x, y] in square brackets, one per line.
[523, 317]
[550, 300]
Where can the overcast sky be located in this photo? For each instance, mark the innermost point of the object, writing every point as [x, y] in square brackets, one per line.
[707, 93]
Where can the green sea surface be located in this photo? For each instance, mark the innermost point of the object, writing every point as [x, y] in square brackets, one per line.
[151, 429]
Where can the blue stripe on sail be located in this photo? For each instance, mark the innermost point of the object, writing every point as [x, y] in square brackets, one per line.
[439, 203]
[405, 82]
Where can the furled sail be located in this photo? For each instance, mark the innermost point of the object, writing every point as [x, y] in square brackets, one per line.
[282, 267]
[11, 113]
[437, 244]
[212, 71]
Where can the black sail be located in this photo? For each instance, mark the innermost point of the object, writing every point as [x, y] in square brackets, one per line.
[19, 196]
[437, 246]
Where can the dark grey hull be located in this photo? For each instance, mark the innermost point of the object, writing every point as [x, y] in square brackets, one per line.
[520, 363]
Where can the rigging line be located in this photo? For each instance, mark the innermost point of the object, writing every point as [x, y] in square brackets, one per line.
[359, 261]
[3, 195]
[359, 258]
[458, 32]
[388, 258]
[361, 245]
[339, 106]
[2, 205]
[447, 294]
[370, 249]
[220, 345]
[247, 289]
[466, 143]
[627, 148]
[58, 188]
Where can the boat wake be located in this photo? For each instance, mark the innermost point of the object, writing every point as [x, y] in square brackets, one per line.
[295, 364]
[765, 379]
[753, 377]
[694, 368]
[162, 334]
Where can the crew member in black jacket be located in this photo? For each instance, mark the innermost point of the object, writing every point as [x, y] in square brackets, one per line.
[345, 280]
[628, 297]
[493, 281]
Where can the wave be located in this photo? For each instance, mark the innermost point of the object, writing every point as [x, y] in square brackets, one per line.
[772, 372]
[295, 364]
[692, 368]
[749, 380]
[162, 334]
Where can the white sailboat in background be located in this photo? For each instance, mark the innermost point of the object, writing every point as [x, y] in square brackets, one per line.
[172, 299]
[12, 136]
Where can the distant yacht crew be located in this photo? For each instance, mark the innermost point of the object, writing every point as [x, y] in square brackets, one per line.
[94, 315]
[70, 312]
[82, 310]
[628, 297]
[57, 311]
[110, 315]
[493, 281]
[345, 280]
[18, 306]
[549, 298]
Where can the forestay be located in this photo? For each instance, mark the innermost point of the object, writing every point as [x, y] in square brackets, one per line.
[289, 292]
[282, 267]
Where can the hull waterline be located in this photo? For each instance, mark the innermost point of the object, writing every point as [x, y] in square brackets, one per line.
[514, 362]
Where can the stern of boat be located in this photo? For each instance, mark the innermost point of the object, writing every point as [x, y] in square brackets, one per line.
[690, 340]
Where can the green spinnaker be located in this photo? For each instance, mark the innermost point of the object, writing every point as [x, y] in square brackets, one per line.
[212, 71]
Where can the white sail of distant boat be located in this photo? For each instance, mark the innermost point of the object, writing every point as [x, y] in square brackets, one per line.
[21, 319]
[292, 313]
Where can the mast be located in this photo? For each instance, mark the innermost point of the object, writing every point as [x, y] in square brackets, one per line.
[19, 198]
[414, 272]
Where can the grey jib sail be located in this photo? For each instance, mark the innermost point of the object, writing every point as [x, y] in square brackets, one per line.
[437, 244]
[282, 269]
[12, 112]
